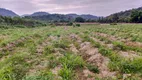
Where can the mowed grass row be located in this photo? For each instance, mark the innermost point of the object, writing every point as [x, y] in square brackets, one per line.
[125, 31]
[10, 35]
[118, 63]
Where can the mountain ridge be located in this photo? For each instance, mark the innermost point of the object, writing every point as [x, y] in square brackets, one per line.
[6, 12]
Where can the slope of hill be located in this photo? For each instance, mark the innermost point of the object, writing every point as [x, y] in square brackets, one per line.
[85, 16]
[50, 17]
[5, 12]
[6, 22]
[88, 16]
[72, 15]
[123, 15]
[44, 16]
[39, 14]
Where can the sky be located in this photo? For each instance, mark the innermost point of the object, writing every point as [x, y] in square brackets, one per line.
[94, 7]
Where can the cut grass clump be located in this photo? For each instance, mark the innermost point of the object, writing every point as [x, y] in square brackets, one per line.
[48, 75]
[21, 44]
[93, 68]
[37, 35]
[131, 66]
[62, 44]
[72, 61]
[104, 51]
[49, 49]
[53, 62]
[66, 74]
[87, 39]
[119, 46]
[122, 46]
[3, 44]
[126, 66]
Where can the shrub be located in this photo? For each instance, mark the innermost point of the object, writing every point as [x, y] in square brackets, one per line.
[4, 27]
[113, 23]
[69, 24]
[78, 25]
[20, 26]
[79, 19]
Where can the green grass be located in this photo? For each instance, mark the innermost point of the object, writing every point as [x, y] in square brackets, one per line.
[72, 61]
[66, 74]
[16, 64]
[42, 76]
[93, 68]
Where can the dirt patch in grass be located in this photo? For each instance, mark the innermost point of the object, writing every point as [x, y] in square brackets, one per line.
[93, 56]
[73, 49]
[85, 74]
[134, 44]
[131, 54]
[11, 45]
[75, 37]
[127, 54]
[128, 42]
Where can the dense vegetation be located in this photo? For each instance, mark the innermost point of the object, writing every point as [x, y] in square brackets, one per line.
[19, 22]
[133, 16]
[60, 17]
[51, 18]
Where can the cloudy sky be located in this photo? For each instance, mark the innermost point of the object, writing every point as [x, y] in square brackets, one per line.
[95, 7]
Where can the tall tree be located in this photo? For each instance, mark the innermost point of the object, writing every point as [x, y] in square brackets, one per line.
[136, 16]
[79, 19]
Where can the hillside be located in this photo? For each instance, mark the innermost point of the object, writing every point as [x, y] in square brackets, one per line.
[39, 14]
[5, 12]
[85, 16]
[44, 16]
[6, 22]
[123, 15]
[51, 17]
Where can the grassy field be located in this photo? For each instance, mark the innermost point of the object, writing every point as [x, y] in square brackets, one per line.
[88, 52]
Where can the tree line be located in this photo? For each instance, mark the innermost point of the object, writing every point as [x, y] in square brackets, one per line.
[19, 21]
[134, 17]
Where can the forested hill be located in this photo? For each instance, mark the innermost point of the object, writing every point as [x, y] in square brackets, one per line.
[123, 16]
[5, 12]
[18, 22]
[43, 16]
[39, 14]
